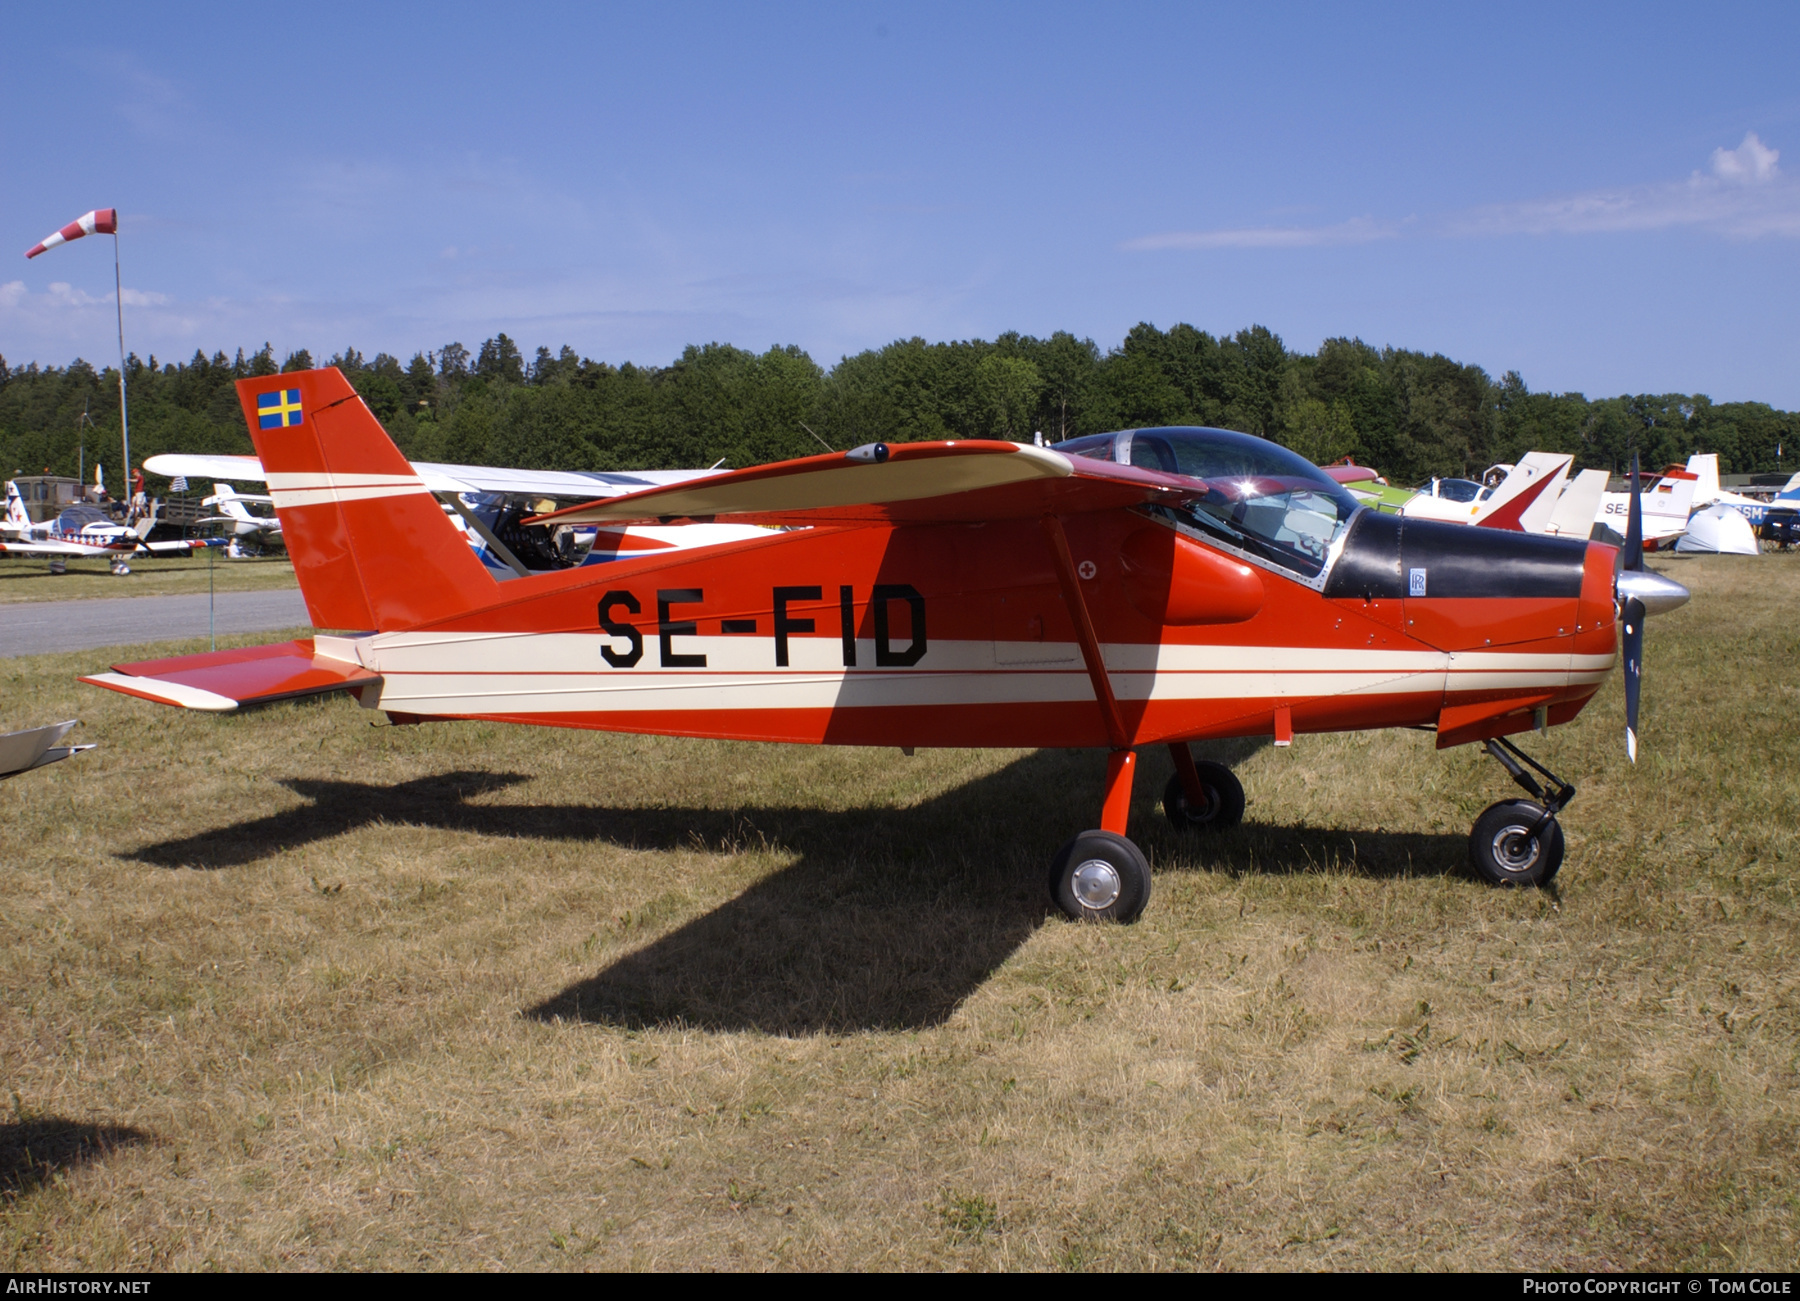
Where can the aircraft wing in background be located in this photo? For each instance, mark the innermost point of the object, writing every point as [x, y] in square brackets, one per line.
[69, 550]
[584, 484]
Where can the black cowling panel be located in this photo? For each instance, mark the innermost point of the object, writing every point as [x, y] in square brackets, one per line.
[1369, 565]
[1459, 560]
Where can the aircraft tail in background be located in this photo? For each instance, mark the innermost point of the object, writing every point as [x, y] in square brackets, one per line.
[1526, 497]
[17, 520]
[371, 546]
[1573, 516]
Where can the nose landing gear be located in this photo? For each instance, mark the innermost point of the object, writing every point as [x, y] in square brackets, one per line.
[1520, 842]
[1202, 795]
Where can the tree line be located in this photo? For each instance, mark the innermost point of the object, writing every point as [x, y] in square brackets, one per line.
[1409, 414]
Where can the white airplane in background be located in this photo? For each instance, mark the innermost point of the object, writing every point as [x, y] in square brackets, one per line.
[1523, 500]
[235, 508]
[486, 502]
[1704, 466]
[1666, 506]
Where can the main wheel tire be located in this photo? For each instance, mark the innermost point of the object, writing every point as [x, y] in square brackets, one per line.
[1224, 807]
[1100, 877]
[1502, 850]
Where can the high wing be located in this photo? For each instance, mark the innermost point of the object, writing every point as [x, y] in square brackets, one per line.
[975, 479]
[584, 484]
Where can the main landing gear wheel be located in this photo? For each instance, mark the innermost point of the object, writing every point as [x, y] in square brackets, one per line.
[1515, 842]
[1102, 877]
[1222, 809]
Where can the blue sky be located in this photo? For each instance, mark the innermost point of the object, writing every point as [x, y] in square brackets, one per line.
[1605, 198]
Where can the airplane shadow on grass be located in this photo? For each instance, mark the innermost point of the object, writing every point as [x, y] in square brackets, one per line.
[887, 919]
[32, 1152]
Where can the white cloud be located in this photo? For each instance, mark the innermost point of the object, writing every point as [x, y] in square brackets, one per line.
[1750, 163]
[1746, 197]
[1360, 230]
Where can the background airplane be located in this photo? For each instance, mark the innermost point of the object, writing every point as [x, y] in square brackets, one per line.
[488, 505]
[1704, 466]
[234, 508]
[83, 530]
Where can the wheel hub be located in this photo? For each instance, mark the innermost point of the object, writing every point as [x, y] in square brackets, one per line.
[1096, 884]
[1515, 848]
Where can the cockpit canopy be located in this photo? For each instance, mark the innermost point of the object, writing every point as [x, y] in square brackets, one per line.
[1261, 499]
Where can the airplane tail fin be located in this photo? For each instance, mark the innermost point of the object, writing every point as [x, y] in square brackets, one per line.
[1705, 465]
[15, 508]
[226, 498]
[370, 544]
[1579, 505]
[1525, 498]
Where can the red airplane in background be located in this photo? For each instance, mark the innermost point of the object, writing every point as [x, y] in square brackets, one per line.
[1150, 587]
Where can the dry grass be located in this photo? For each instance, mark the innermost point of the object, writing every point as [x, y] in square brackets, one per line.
[289, 990]
[31, 580]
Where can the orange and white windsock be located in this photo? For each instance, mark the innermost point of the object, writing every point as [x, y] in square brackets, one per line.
[102, 221]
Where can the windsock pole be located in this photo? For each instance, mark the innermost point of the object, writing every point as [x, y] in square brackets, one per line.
[124, 422]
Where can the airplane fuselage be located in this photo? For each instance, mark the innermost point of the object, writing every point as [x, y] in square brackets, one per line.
[960, 635]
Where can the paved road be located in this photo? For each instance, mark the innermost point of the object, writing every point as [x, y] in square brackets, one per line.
[39, 627]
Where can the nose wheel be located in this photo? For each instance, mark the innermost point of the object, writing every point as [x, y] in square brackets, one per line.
[1100, 876]
[1520, 842]
[1202, 795]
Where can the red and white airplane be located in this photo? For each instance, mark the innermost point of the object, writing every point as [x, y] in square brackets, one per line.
[964, 593]
[82, 531]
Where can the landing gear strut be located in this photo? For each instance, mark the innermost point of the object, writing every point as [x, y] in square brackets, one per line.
[1520, 842]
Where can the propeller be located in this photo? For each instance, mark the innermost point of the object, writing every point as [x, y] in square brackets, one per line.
[1641, 593]
[1634, 612]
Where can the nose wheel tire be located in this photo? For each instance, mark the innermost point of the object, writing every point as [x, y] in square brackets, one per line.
[1102, 877]
[1513, 843]
[1222, 809]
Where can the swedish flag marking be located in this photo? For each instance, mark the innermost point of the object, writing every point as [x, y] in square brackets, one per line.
[279, 409]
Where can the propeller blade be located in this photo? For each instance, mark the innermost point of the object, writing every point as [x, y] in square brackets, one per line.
[1634, 670]
[1634, 530]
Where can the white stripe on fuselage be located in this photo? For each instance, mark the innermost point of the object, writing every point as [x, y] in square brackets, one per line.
[468, 673]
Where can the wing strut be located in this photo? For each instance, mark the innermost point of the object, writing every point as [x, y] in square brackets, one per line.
[1084, 632]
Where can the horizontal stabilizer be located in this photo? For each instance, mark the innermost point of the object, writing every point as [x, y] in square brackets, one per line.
[908, 483]
[254, 675]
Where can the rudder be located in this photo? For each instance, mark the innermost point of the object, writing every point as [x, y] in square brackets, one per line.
[370, 544]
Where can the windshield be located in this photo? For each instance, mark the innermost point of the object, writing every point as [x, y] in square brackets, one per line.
[1262, 498]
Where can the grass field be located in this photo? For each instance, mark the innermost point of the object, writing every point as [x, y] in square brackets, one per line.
[31, 580]
[294, 990]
